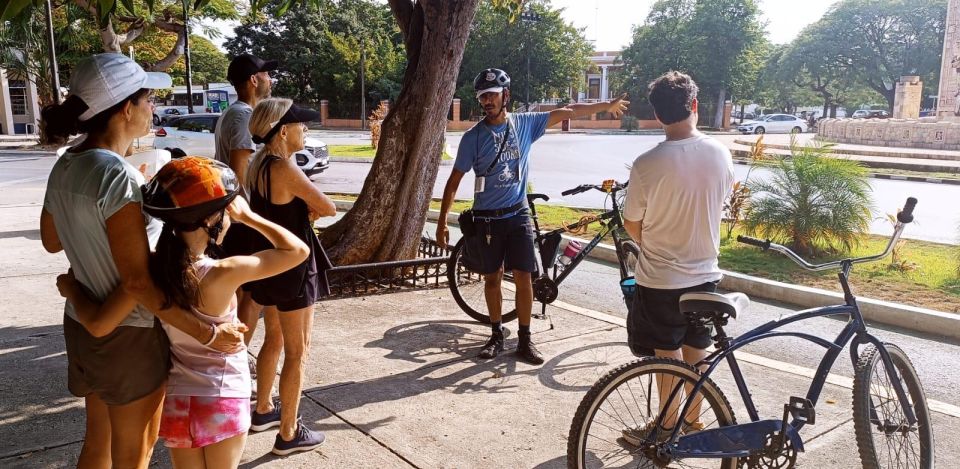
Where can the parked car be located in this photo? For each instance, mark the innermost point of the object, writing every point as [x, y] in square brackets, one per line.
[870, 114]
[193, 135]
[774, 123]
[161, 115]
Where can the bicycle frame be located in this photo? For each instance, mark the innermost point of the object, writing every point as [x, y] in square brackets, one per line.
[854, 333]
[610, 221]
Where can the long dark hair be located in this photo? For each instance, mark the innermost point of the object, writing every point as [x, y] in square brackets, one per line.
[59, 121]
[172, 270]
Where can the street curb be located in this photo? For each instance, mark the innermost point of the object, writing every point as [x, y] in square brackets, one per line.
[895, 177]
[856, 152]
[921, 320]
[363, 159]
[741, 155]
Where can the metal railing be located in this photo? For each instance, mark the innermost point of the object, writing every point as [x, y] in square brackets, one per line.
[428, 270]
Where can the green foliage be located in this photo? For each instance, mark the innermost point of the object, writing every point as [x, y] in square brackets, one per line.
[718, 42]
[321, 49]
[208, 63]
[557, 50]
[886, 39]
[629, 123]
[811, 201]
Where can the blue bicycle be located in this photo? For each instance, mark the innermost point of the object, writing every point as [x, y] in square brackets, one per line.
[631, 416]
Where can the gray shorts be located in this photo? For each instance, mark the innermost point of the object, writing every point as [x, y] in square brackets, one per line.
[120, 367]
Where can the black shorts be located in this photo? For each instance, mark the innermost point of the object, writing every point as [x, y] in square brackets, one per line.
[239, 241]
[655, 321]
[510, 245]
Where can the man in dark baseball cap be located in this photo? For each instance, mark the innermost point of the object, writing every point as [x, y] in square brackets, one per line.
[234, 146]
[246, 65]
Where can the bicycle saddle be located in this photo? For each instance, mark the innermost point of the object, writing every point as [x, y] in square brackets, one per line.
[704, 303]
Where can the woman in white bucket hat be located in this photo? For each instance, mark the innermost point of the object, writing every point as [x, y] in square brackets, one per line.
[92, 212]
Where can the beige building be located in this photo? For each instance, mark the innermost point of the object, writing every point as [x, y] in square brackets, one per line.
[19, 105]
[597, 77]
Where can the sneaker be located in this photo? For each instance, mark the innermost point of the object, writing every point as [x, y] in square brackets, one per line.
[638, 435]
[304, 440]
[260, 422]
[529, 353]
[493, 347]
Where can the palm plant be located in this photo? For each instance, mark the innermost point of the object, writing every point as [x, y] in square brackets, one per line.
[811, 201]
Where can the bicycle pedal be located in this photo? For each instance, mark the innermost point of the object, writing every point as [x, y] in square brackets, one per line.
[801, 409]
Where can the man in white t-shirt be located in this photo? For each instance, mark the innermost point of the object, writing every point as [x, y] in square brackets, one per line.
[673, 209]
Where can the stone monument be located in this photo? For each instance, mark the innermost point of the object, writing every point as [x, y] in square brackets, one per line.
[908, 98]
[906, 128]
[948, 103]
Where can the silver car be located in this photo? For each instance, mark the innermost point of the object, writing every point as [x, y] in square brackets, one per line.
[194, 135]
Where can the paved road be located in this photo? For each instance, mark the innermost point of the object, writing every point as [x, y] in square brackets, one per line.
[560, 162]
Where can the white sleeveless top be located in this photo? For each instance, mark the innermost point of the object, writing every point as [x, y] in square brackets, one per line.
[202, 371]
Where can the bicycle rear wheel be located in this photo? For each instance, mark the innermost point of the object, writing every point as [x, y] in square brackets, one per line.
[467, 289]
[884, 437]
[626, 400]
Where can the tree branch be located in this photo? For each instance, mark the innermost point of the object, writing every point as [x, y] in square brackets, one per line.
[403, 12]
[165, 63]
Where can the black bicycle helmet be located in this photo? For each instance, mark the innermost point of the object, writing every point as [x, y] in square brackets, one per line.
[186, 191]
[491, 80]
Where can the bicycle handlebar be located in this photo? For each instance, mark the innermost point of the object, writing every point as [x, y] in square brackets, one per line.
[906, 215]
[903, 218]
[586, 187]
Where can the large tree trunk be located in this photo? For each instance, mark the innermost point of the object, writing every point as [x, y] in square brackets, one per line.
[718, 115]
[388, 217]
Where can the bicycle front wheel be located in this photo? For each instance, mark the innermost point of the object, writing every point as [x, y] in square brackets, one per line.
[468, 290]
[884, 437]
[614, 424]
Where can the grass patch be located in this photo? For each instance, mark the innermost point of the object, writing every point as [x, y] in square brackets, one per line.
[363, 151]
[931, 282]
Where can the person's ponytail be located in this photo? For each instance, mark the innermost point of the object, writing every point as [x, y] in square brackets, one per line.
[59, 121]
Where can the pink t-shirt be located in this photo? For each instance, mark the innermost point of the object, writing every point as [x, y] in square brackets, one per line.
[202, 371]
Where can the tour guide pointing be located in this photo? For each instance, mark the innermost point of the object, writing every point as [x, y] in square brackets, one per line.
[497, 149]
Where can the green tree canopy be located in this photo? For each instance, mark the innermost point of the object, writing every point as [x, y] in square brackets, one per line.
[320, 52]
[557, 51]
[718, 42]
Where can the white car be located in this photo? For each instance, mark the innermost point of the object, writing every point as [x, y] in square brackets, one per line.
[193, 134]
[774, 123]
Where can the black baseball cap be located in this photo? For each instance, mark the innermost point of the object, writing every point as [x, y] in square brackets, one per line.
[293, 115]
[244, 66]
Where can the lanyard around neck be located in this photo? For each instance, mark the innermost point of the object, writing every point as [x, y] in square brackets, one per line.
[503, 145]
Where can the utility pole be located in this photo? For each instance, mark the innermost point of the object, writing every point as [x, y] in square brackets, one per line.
[54, 69]
[528, 16]
[186, 56]
[363, 85]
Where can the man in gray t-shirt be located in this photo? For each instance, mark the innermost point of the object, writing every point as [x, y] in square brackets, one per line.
[250, 76]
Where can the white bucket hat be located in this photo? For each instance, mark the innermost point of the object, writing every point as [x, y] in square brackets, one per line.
[104, 80]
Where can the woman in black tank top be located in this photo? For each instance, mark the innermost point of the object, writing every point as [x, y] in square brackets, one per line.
[280, 192]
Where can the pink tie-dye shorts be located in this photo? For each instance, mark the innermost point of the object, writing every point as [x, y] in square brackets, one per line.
[195, 422]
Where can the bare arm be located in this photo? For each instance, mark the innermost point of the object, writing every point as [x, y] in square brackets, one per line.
[239, 161]
[301, 186]
[99, 319]
[129, 247]
[633, 228]
[288, 252]
[572, 111]
[48, 233]
[449, 193]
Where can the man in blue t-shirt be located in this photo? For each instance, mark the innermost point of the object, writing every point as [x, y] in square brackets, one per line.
[497, 150]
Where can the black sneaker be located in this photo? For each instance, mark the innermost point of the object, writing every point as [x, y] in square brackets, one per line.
[304, 440]
[493, 347]
[529, 353]
[260, 422]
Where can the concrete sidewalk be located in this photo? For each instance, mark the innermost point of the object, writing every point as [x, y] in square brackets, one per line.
[393, 381]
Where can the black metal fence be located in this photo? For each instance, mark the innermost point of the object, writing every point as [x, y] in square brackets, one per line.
[428, 270]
